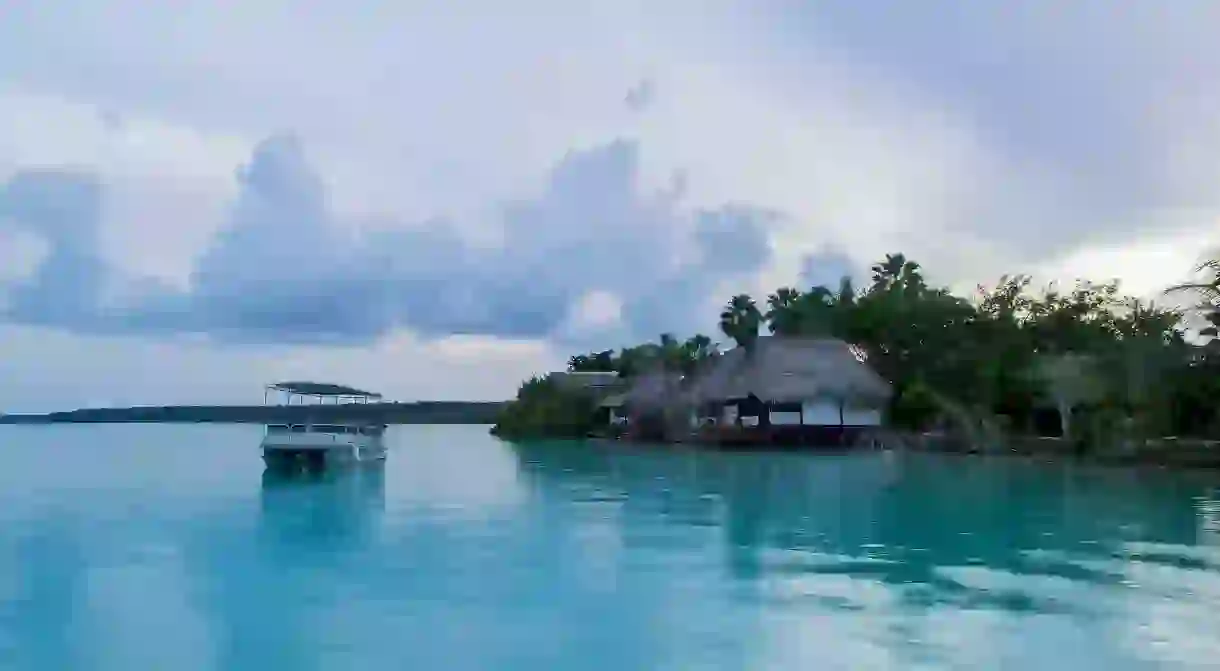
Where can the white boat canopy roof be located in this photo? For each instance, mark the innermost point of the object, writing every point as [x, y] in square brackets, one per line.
[320, 389]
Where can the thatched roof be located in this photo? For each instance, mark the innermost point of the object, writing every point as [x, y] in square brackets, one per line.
[653, 389]
[788, 370]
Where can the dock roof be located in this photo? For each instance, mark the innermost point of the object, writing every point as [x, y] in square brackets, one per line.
[321, 389]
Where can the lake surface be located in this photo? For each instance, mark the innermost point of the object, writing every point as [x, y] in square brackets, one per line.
[165, 547]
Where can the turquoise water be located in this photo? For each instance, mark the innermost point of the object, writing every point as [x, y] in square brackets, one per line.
[163, 547]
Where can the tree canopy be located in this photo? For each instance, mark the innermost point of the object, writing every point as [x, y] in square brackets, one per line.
[1007, 349]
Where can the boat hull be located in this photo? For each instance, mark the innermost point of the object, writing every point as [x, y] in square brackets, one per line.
[310, 450]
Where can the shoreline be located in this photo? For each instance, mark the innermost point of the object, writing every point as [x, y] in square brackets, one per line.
[1161, 453]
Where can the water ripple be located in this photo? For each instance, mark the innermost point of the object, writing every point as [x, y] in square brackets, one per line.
[124, 548]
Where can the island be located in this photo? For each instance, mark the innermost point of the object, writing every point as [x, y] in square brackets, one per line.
[420, 412]
[1079, 370]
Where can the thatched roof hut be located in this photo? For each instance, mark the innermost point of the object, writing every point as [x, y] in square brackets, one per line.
[779, 369]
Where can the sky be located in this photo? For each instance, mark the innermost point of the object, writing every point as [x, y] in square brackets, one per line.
[437, 199]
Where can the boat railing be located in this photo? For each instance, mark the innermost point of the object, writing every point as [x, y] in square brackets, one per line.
[331, 429]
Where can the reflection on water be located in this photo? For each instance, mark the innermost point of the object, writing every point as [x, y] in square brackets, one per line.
[1209, 522]
[302, 506]
[897, 557]
[462, 552]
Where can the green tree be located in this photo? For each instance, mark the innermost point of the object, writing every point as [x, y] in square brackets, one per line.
[543, 408]
[741, 319]
[1081, 320]
[817, 313]
[896, 272]
[603, 361]
[696, 351]
[1005, 349]
[781, 315]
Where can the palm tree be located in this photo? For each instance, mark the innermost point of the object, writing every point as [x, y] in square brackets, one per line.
[696, 350]
[815, 314]
[700, 345]
[1208, 291]
[897, 272]
[1208, 286]
[672, 354]
[597, 362]
[741, 319]
[781, 311]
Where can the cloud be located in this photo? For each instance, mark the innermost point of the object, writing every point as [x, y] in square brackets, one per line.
[827, 268]
[781, 142]
[1092, 118]
[640, 96]
[1145, 264]
[61, 207]
[285, 267]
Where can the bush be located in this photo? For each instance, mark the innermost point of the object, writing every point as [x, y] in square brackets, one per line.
[543, 409]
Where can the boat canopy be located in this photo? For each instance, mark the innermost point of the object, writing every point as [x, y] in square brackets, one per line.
[321, 389]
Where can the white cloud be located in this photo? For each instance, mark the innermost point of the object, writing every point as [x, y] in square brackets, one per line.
[866, 140]
[409, 123]
[166, 185]
[593, 315]
[1145, 265]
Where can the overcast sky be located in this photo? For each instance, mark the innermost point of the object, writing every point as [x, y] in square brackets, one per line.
[436, 199]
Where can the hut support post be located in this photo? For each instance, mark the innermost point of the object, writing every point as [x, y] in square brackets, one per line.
[841, 436]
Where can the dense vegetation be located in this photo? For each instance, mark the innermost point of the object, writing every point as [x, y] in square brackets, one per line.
[543, 408]
[1065, 361]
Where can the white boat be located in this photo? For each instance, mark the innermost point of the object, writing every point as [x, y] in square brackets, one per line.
[323, 438]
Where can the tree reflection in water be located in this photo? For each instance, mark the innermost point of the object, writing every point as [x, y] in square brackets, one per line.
[938, 529]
